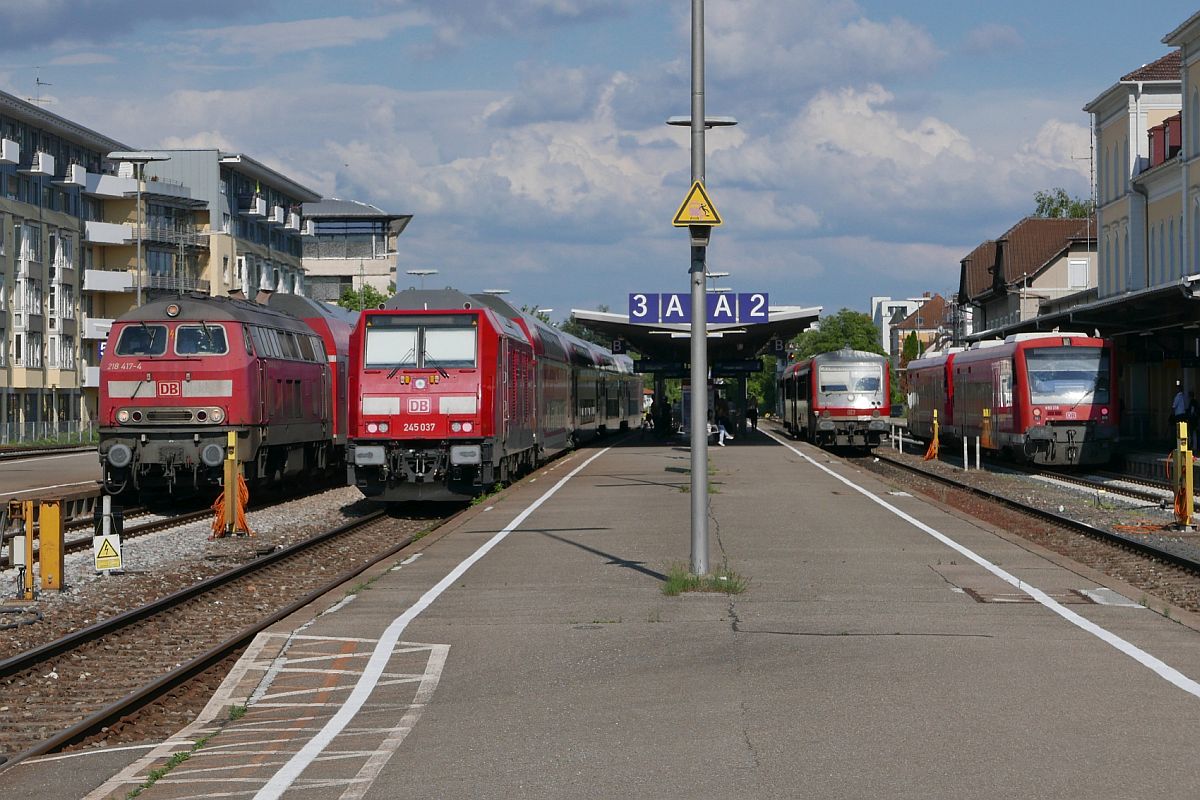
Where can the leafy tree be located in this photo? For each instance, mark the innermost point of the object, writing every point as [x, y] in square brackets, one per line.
[576, 328]
[357, 299]
[534, 311]
[762, 385]
[834, 332]
[912, 349]
[1056, 204]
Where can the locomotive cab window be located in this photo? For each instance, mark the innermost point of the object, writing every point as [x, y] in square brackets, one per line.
[421, 343]
[449, 347]
[856, 378]
[391, 347]
[140, 339]
[1068, 375]
[200, 340]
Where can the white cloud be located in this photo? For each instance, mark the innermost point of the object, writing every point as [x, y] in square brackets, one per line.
[270, 39]
[992, 37]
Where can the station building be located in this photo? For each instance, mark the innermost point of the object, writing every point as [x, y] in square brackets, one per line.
[1144, 292]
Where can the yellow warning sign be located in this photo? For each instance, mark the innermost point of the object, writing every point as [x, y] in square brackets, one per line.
[697, 209]
[106, 550]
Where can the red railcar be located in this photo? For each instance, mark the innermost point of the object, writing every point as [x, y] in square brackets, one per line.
[452, 394]
[838, 398]
[1044, 398]
[179, 374]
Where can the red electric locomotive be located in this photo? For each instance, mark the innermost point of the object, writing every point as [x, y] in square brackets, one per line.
[453, 393]
[1045, 398]
[838, 398]
[179, 374]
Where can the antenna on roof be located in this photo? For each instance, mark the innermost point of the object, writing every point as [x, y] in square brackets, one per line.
[39, 83]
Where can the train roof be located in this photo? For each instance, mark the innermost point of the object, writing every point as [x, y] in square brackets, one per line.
[305, 307]
[847, 354]
[447, 301]
[196, 306]
[547, 340]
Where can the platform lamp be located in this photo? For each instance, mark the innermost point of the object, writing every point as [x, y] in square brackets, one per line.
[421, 273]
[139, 161]
[698, 123]
[496, 292]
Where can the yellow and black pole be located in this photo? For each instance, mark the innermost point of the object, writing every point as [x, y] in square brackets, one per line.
[1181, 477]
[231, 483]
[932, 452]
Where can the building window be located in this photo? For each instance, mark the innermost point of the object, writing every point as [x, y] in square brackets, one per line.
[3, 225]
[68, 352]
[1077, 274]
[1171, 250]
[31, 238]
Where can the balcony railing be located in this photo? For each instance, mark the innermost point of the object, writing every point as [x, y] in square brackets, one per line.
[170, 284]
[173, 234]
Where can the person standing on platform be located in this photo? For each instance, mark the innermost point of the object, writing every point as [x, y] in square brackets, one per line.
[752, 412]
[1179, 408]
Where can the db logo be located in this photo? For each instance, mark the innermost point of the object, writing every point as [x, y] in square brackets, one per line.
[170, 389]
[418, 405]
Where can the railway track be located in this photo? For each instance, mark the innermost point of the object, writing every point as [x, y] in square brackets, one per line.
[67, 690]
[1139, 545]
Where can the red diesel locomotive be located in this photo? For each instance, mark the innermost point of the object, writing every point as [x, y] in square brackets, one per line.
[453, 393]
[179, 374]
[1043, 398]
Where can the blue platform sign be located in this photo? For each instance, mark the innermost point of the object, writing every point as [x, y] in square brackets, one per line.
[649, 308]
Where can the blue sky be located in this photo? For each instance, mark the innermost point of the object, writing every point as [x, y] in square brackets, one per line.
[877, 143]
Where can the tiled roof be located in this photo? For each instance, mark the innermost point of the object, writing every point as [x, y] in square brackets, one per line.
[927, 317]
[1026, 248]
[1164, 69]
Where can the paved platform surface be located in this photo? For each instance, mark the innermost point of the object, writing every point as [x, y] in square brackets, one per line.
[44, 475]
[885, 647]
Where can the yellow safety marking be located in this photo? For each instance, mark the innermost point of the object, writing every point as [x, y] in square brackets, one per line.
[107, 556]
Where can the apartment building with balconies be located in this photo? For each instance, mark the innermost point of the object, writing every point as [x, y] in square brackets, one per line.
[254, 222]
[349, 245]
[46, 162]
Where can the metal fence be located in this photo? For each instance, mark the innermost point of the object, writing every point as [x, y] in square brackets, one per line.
[66, 432]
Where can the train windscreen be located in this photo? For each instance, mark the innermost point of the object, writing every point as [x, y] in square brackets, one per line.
[1068, 375]
[430, 343]
[850, 378]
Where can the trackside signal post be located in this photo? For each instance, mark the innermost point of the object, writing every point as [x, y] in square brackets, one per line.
[700, 216]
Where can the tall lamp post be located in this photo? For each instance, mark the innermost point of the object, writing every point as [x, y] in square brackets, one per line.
[422, 273]
[139, 162]
[698, 123]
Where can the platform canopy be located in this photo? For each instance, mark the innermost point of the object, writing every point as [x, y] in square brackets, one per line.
[671, 342]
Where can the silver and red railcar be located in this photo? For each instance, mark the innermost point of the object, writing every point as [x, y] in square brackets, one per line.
[837, 399]
[453, 393]
[179, 374]
[1042, 398]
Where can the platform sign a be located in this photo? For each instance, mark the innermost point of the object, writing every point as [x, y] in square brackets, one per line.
[676, 308]
[722, 308]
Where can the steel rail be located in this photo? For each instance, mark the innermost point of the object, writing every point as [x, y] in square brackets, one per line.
[176, 677]
[1143, 548]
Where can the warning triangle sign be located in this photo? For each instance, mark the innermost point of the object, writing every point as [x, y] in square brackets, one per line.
[107, 550]
[697, 209]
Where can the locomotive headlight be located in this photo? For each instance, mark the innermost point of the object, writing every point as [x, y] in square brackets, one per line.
[467, 427]
[217, 415]
[456, 426]
[383, 427]
[1104, 412]
[372, 427]
[1037, 412]
[123, 415]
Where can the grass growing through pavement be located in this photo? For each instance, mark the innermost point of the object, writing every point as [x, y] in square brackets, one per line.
[722, 580]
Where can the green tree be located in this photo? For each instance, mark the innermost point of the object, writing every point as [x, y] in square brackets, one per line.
[762, 385]
[357, 299]
[576, 328]
[834, 332]
[534, 311]
[1056, 204]
[912, 349]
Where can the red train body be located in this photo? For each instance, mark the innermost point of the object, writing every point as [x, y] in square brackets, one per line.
[453, 393]
[837, 399]
[179, 374]
[1044, 398]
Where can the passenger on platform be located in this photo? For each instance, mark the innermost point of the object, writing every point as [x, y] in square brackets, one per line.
[1179, 408]
[723, 425]
[752, 412]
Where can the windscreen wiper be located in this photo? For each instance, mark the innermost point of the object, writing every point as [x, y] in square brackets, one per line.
[430, 359]
[401, 365]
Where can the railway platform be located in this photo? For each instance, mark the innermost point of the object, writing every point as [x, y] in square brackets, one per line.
[884, 646]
